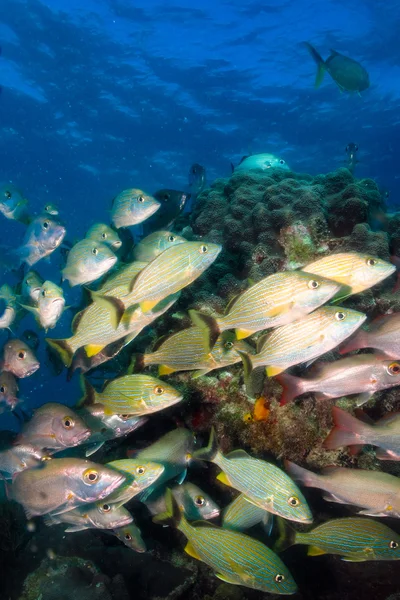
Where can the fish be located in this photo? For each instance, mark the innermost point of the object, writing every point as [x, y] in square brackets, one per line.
[54, 427]
[304, 340]
[51, 209]
[131, 536]
[194, 503]
[376, 493]
[170, 272]
[260, 162]
[240, 515]
[348, 74]
[352, 160]
[104, 234]
[82, 362]
[274, 301]
[133, 395]
[93, 330]
[62, 484]
[19, 359]
[358, 272]
[8, 391]
[100, 515]
[262, 483]
[363, 374]
[20, 457]
[31, 338]
[131, 207]
[194, 349]
[352, 538]
[349, 431]
[13, 205]
[382, 334]
[139, 475]
[118, 282]
[31, 286]
[197, 179]
[235, 557]
[154, 244]
[9, 314]
[42, 237]
[50, 306]
[87, 261]
[172, 203]
[105, 427]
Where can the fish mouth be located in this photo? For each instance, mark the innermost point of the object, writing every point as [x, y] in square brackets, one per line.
[32, 370]
[116, 245]
[82, 437]
[58, 237]
[214, 513]
[122, 522]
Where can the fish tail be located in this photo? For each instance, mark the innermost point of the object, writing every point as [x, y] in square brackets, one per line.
[307, 478]
[207, 323]
[172, 516]
[286, 536]
[319, 61]
[356, 342]
[137, 365]
[114, 307]
[90, 396]
[347, 430]
[209, 452]
[63, 348]
[292, 387]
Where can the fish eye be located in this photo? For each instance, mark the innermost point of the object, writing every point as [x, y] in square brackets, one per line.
[171, 238]
[313, 285]
[140, 199]
[3, 389]
[21, 354]
[140, 470]
[199, 501]
[166, 197]
[340, 316]
[279, 578]
[293, 501]
[43, 293]
[281, 162]
[203, 249]
[124, 417]
[45, 225]
[158, 390]
[8, 194]
[394, 368]
[90, 476]
[68, 422]
[104, 236]
[128, 537]
[371, 262]
[228, 345]
[47, 208]
[105, 508]
[95, 251]
[393, 545]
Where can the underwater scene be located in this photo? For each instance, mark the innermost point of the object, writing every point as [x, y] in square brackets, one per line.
[199, 300]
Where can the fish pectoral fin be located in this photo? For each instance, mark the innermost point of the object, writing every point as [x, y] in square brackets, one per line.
[370, 513]
[75, 528]
[227, 579]
[182, 476]
[223, 478]
[275, 311]
[363, 398]
[148, 305]
[331, 498]
[165, 370]
[272, 371]
[93, 349]
[93, 449]
[241, 334]
[31, 309]
[191, 551]
[353, 559]
[315, 551]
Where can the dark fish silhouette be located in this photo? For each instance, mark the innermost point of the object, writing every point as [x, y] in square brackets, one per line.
[172, 204]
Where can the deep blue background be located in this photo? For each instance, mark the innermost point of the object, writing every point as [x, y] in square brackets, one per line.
[102, 95]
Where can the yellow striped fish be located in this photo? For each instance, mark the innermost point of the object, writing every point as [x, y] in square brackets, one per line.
[304, 340]
[357, 272]
[241, 514]
[171, 271]
[118, 283]
[131, 207]
[132, 395]
[139, 475]
[274, 301]
[235, 557]
[100, 232]
[87, 261]
[154, 244]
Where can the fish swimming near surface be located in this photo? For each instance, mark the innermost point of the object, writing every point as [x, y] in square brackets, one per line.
[260, 162]
[195, 504]
[303, 341]
[172, 204]
[363, 374]
[104, 234]
[352, 538]
[19, 359]
[20, 457]
[30, 287]
[131, 207]
[262, 483]
[100, 515]
[349, 431]
[240, 515]
[50, 305]
[197, 179]
[274, 301]
[62, 484]
[348, 74]
[131, 536]
[154, 244]
[376, 493]
[42, 237]
[8, 392]
[13, 205]
[352, 160]
[87, 261]
[235, 557]
[383, 334]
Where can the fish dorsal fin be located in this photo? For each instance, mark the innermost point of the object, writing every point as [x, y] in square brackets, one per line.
[191, 551]
[237, 454]
[261, 342]
[334, 52]
[315, 551]
[231, 303]
[160, 342]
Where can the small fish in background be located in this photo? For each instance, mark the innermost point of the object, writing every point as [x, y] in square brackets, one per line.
[8, 392]
[30, 287]
[195, 504]
[42, 237]
[260, 162]
[87, 261]
[50, 306]
[13, 205]
[375, 492]
[154, 244]
[100, 515]
[240, 515]
[131, 536]
[362, 374]
[51, 209]
[131, 207]
[20, 457]
[62, 484]
[31, 338]
[352, 160]
[104, 234]
[9, 314]
[235, 557]
[382, 334]
[172, 203]
[197, 179]
[349, 431]
[19, 359]
[346, 72]
[352, 538]
[139, 476]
